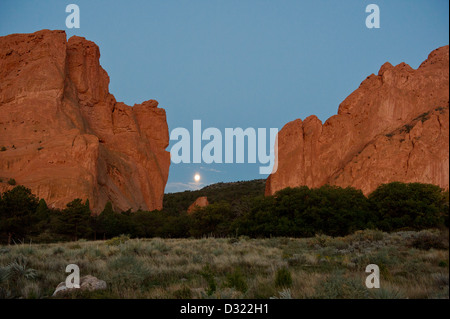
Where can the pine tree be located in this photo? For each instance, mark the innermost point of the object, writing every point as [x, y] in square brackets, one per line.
[17, 209]
[74, 219]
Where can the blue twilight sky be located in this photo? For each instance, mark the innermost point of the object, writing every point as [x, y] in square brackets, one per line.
[239, 63]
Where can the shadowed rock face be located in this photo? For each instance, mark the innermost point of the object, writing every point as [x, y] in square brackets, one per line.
[67, 137]
[394, 127]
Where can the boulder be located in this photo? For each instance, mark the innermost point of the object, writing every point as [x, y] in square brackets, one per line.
[87, 283]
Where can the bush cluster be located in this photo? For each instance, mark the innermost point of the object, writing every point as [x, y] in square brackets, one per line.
[292, 212]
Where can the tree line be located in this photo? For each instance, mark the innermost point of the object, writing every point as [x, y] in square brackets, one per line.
[293, 212]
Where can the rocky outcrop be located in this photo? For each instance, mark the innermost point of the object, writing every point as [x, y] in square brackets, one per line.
[87, 283]
[65, 136]
[199, 203]
[394, 127]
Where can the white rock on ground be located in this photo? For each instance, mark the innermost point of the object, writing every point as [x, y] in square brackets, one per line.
[88, 282]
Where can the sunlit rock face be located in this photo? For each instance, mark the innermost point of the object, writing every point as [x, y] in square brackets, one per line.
[199, 203]
[67, 137]
[394, 127]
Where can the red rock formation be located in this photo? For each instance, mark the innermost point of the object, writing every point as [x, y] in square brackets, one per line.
[394, 127]
[199, 203]
[65, 135]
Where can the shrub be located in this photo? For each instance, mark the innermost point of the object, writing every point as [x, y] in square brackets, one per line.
[304, 212]
[336, 286]
[214, 220]
[407, 128]
[58, 251]
[296, 260]
[5, 273]
[160, 245]
[19, 269]
[237, 280]
[440, 280]
[339, 244]
[283, 278]
[322, 240]
[209, 277]
[427, 240]
[183, 293]
[31, 290]
[367, 235]
[284, 294]
[116, 241]
[384, 293]
[262, 289]
[2, 149]
[414, 205]
[12, 181]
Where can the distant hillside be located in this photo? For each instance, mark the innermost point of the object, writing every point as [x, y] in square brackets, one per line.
[231, 192]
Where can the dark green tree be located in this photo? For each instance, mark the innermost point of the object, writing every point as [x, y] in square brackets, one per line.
[338, 211]
[214, 219]
[414, 205]
[303, 212]
[42, 216]
[74, 220]
[113, 224]
[17, 213]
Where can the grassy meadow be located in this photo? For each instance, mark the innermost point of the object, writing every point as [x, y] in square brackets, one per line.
[412, 265]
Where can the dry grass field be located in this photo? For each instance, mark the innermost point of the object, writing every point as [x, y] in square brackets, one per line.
[412, 265]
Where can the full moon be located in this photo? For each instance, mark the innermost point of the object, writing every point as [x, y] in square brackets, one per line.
[197, 177]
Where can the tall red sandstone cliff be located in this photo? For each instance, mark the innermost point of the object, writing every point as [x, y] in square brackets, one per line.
[66, 136]
[394, 127]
